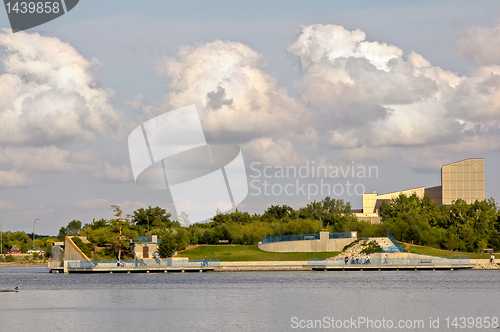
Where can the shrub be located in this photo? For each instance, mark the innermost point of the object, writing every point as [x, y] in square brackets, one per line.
[106, 254]
[48, 250]
[371, 248]
[351, 244]
[86, 248]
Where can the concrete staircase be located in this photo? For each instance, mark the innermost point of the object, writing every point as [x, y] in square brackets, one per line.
[382, 241]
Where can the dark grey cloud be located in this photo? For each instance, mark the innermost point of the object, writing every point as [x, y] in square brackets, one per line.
[217, 99]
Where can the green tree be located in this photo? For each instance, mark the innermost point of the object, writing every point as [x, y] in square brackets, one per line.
[74, 227]
[96, 224]
[329, 211]
[482, 244]
[279, 213]
[206, 237]
[184, 219]
[168, 243]
[121, 230]
[154, 217]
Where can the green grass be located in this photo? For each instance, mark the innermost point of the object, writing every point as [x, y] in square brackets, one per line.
[241, 253]
[447, 253]
[232, 253]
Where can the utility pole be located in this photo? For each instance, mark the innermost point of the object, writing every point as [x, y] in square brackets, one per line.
[33, 244]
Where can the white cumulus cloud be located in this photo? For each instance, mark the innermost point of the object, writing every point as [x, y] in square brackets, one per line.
[233, 93]
[480, 45]
[49, 100]
[369, 94]
[49, 94]
[359, 98]
[13, 178]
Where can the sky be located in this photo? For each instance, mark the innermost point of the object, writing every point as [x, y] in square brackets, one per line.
[397, 88]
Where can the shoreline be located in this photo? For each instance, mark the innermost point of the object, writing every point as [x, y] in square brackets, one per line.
[258, 266]
[263, 266]
[18, 264]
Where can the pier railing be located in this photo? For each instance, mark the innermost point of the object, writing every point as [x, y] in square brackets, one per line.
[361, 260]
[345, 235]
[191, 263]
[396, 244]
[282, 238]
[116, 263]
[141, 263]
[390, 249]
[145, 239]
[83, 264]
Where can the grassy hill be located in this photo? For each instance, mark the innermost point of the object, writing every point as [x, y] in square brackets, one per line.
[241, 253]
[447, 253]
[232, 253]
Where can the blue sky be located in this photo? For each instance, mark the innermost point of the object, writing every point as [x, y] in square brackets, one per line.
[127, 51]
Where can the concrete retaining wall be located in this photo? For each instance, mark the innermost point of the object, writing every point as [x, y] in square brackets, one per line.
[263, 263]
[72, 252]
[323, 244]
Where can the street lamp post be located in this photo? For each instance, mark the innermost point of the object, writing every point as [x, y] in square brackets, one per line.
[33, 244]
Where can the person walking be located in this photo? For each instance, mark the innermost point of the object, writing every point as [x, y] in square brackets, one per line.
[492, 259]
[385, 259]
[346, 260]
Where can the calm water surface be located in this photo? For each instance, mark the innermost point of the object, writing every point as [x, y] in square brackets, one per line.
[240, 301]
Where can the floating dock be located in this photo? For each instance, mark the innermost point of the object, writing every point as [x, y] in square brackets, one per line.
[140, 269]
[387, 267]
[130, 267]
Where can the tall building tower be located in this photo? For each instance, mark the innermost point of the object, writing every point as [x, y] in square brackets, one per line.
[463, 179]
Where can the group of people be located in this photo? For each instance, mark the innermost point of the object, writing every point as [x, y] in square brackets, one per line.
[205, 261]
[357, 260]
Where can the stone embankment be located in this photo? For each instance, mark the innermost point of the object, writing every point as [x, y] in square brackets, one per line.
[354, 250]
[484, 264]
[25, 263]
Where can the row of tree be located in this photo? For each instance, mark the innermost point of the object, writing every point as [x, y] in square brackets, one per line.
[461, 226]
[24, 241]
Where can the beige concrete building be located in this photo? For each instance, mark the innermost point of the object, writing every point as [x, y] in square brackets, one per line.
[144, 247]
[462, 179]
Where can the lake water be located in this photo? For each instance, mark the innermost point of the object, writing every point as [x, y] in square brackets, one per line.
[267, 301]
